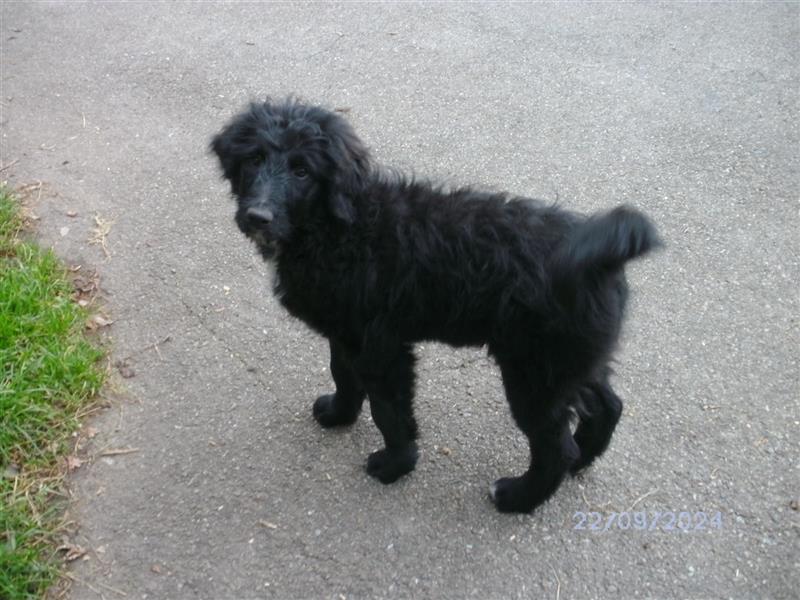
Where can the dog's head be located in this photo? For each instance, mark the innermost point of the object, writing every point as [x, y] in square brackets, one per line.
[288, 163]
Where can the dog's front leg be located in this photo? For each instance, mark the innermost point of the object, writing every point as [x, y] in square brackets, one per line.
[389, 380]
[343, 406]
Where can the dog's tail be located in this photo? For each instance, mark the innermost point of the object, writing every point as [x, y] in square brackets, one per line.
[603, 244]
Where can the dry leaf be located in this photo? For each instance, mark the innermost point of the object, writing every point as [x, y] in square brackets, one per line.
[73, 462]
[124, 369]
[73, 551]
[100, 232]
[86, 285]
[156, 569]
[102, 321]
[72, 213]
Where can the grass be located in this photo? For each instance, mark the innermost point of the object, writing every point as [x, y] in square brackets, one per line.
[49, 376]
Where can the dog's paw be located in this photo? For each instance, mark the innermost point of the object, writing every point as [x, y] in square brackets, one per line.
[512, 494]
[328, 414]
[580, 465]
[389, 465]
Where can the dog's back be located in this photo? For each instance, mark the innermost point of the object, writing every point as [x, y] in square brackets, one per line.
[467, 267]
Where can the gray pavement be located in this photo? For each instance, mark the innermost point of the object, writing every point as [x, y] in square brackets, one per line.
[687, 111]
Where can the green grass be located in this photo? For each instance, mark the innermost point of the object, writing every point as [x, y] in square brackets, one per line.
[49, 375]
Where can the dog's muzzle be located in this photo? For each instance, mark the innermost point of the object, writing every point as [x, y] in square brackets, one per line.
[256, 223]
[258, 217]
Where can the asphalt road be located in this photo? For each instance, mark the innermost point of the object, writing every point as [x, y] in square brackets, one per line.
[687, 111]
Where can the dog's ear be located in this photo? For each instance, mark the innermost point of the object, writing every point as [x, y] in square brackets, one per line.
[219, 147]
[234, 143]
[351, 167]
[223, 146]
[341, 207]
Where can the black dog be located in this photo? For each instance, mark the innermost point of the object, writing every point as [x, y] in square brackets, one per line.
[375, 263]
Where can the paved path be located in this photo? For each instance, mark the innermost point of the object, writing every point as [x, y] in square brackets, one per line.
[689, 112]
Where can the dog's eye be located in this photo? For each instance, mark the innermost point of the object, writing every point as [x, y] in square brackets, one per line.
[300, 172]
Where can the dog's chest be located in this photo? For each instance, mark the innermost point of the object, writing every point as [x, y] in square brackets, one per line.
[307, 294]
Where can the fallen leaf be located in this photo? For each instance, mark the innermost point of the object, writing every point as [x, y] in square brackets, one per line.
[100, 233]
[72, 213]
[156, 569]
[124, 369]
[90, 432]
[73, 551]
[102, 321]
[86, 285]
[64, 231]
[73, 462]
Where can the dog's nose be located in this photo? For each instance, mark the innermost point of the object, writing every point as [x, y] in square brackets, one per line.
[259, 216]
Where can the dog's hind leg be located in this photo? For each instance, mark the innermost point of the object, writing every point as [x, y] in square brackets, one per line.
[599, 411]
[389, 381]
[343, 406]
[541, 413]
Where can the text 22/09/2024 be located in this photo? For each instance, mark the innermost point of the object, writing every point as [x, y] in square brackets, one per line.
[684, 521]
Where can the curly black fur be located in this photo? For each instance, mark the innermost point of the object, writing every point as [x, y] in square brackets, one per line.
[375, 262]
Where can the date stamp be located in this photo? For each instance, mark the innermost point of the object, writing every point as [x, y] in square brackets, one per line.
[670, 521]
